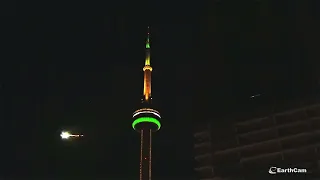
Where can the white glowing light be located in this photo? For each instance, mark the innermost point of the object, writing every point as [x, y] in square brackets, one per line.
[144, 112]
[255, 96]
[67, 135]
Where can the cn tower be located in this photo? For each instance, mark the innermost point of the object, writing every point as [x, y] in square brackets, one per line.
[146, 120]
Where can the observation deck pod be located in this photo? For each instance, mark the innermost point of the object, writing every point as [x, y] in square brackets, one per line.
[146, 118]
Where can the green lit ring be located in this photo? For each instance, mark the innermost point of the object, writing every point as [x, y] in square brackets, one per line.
[146, 119]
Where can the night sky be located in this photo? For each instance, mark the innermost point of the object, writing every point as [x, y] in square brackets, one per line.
[85, 74]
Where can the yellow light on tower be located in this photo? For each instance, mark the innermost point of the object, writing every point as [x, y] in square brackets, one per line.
[147, 68]
[147, 63]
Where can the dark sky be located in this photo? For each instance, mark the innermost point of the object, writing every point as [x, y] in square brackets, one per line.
[259, 47]
[85, 74]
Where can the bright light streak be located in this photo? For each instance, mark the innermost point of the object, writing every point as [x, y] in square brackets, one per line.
[255, 96]
[67, 135]
[143, 112]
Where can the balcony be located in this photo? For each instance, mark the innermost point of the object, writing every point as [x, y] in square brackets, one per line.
[294, 128]
[241, 148]
[315, 123]
[303, 153]
[204, 133]
[202, 150]
[201, 128]
[291, 116]
[300, 155]
[300, 141]
[203, 156]
[257, 136]
[313, 111]
[204, 144]
[225, 143]
[205, 175]
[200, 139]
[227, 170]
[260, 149]
[254, 125]
[263, 160]
[204, 168]
[226, 159]
[281, 118]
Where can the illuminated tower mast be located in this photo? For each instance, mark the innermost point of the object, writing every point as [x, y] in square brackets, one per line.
[146, 119]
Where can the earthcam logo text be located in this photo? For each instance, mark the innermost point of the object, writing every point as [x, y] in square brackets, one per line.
[276, 170]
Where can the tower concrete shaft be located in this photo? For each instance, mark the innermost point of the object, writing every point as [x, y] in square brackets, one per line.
[145, 154]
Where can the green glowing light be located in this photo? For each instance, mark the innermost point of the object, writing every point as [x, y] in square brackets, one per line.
[148, 45]
[146, 119]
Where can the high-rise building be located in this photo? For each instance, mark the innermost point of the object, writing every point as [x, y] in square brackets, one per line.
[246, 147]
[146, 119]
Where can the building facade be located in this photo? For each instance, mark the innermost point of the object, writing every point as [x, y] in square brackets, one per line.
[246, 148]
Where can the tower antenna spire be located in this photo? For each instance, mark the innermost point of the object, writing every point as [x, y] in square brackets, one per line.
[147, 62]
[147, 69]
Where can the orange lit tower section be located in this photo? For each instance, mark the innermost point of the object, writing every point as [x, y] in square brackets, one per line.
[147, 69]
[146, 120]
